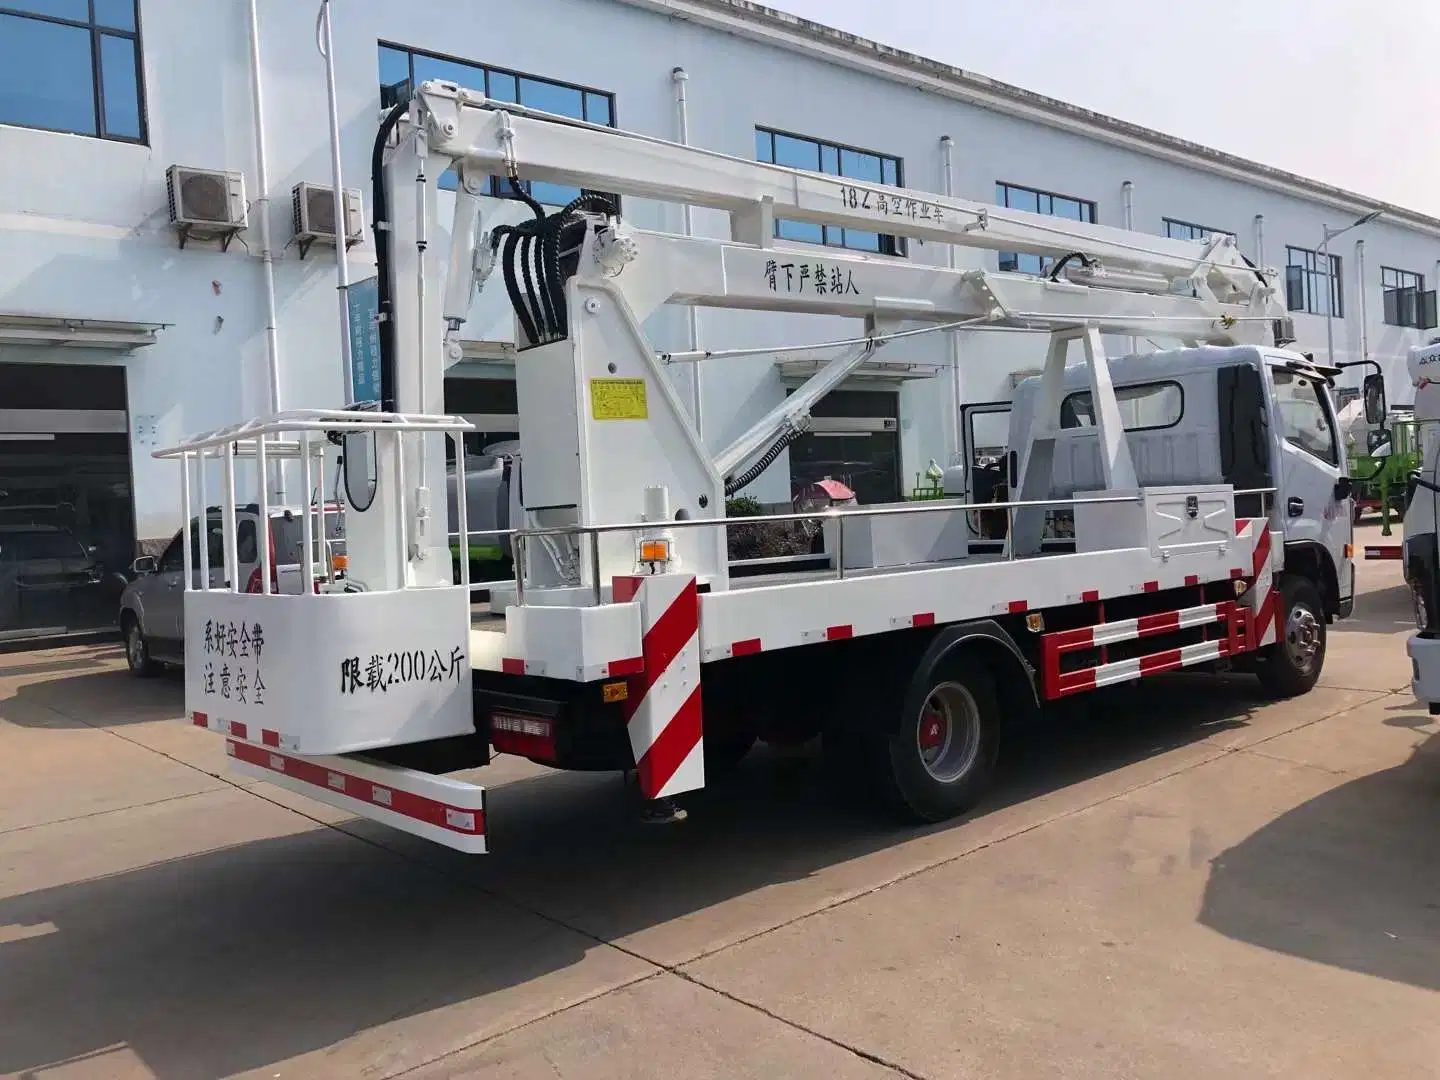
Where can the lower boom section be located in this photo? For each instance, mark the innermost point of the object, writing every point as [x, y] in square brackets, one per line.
[439, 808]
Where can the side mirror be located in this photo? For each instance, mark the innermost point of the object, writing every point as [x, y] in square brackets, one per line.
[145, 564]
[1374, 392]
[1343, 489]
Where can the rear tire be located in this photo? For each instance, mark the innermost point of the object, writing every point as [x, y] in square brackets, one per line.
[137, 651]
[1292, 665]
[938, 762]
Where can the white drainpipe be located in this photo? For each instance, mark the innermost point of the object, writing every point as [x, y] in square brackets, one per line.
[1127, 202]
[1260, 240]
[1364, 321]
[267, 255]
[957, 438]
[682, 115]
[325, 43]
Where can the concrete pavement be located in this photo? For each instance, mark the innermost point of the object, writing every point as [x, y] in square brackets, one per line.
[1187, 882]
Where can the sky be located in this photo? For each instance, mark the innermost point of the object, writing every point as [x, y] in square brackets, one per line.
[1346, 92]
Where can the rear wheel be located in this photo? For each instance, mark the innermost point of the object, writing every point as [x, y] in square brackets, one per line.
[938, 761]
[1292, 665]
[137, 650]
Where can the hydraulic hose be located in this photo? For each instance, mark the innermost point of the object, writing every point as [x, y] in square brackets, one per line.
[380, 200]
[1085, 260]
[530, 256]
[735, 483]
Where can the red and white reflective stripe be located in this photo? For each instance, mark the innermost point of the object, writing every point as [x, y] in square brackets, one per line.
[1129, 629]
[1382, 551]
[237, 729]
[1055, 683]
[1125, 670]
[393, 795]
[662, 711]
[1261, 598]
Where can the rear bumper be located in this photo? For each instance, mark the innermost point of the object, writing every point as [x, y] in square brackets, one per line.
[1425, 668]
[442, 809]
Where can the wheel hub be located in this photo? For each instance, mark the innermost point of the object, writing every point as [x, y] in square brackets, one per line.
[1302, 635]
[948, 732]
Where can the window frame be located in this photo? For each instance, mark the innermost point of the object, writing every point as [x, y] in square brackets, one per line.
[889, 245]
[1389, 274]
[496, 187]
[1194, 228]
[1331, 423]
[1162, 384]
[97, 75]
[1309, 270]
[1046, 261]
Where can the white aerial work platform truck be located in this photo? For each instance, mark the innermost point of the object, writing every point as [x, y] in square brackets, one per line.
[1418, 551]
[1206, 526]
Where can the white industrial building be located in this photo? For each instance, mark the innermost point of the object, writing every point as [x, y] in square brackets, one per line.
[116, 337]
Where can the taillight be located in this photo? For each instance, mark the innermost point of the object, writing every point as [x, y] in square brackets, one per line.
[525, 736]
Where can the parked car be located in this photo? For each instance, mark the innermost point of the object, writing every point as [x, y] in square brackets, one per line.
[152, 607]
[48, 578]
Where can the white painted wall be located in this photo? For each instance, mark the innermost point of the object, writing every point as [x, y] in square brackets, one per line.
[83, 228]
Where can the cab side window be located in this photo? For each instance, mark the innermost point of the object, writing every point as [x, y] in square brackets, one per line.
[215, 543]
[173, 561]
[1304, 420]
[245, 550]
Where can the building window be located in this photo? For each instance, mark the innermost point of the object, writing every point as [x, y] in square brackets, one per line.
[72, 66]
[402, 69]
[1039, 202]
[1188, 230]
[1143, 407]
[1311, 286]
[813, 155]
[1406, 301]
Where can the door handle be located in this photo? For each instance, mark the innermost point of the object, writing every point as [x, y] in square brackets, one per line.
[1295, 505]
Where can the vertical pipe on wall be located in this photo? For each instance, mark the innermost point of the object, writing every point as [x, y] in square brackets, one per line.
[1127, 203]
[957, 389]
[325, 42]
[1360, 278]
[267, 254]
[679, 76]
[1260, 240]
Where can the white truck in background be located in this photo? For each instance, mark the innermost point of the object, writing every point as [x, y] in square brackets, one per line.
[1418, 552]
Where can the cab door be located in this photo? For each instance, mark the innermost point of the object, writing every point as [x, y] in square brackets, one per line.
[1311, 465]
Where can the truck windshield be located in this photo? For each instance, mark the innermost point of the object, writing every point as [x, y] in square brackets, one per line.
[1304, 420]
[289, 538]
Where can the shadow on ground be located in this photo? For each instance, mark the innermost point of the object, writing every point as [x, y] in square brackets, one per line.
[1350, 878]
[236, 958]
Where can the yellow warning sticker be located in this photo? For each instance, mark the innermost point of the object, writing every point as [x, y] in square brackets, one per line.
[618, 399]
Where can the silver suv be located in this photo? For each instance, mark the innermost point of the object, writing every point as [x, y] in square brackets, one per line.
[152, 607]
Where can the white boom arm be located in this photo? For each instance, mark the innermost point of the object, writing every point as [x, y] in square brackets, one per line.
[498, 138]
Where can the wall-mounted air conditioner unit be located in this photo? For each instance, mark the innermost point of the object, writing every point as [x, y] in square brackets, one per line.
[206, 204]
[313, 215]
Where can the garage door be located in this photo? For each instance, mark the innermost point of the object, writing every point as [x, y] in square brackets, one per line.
[67, 521]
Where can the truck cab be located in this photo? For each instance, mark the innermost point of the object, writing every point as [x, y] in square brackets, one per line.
[1261, 419]
[1418, 552]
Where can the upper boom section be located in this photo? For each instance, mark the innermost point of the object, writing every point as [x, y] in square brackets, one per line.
[487, 137]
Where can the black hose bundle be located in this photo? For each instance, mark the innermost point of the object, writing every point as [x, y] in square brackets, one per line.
[532, 256]
[735, 483]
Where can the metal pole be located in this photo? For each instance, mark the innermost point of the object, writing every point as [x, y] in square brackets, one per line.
[682, 115]
[342, 259]
[957, 389]
[1329, 299]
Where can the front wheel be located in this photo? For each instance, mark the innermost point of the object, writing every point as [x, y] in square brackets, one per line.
[938, 761]
[1291, 666]
[137, 651]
